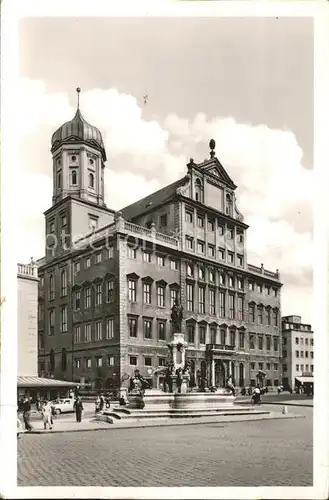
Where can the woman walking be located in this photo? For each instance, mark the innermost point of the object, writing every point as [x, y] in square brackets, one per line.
[47, 415]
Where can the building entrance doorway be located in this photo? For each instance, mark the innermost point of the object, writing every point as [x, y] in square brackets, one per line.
[219, 374]
[241, 375]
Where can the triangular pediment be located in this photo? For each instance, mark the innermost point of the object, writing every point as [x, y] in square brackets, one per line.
[215, 169]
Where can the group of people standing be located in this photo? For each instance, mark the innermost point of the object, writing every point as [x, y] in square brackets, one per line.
[45, 409]
[102, 402]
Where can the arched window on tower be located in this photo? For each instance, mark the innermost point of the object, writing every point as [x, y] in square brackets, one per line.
[74, 178]
[91, 180]
[52, 361]
[229, 205]
[64, 360]
[59, 181]
[198, 191]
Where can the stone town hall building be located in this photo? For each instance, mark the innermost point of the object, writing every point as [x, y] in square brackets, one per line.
[109, 279]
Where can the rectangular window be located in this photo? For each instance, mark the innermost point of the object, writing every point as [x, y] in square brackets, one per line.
[161, 330]
[240, 309]
[51, 227]
[110, 360]
[163, 220]
[64, 319]
[147, 328]
[98, 294]
[240, 284]
[99, 362]
[190, 334]
[146, 256]
[221, 253]
[200, 246]
[63, 283]
[188, 217]
[88, 262]
[77, 363]
[200, 221]
[160, 260]
[173, 296]
[306, 354]
[260, 342]
[259, 289]
[211, 225]
[252, 341]
[297, 368]
[93, 223]
[276, 343]
[301, 354]
[260, 315]
[231, 282]
[241, 340]
[222, 304]
[268, 366]
[110, 252]
[77, 267]
[240, 260]
[267, 290]
[275, 366]
[221, 230]
[301, 368]
[98, 326]
[88, 362]
[252, 366]
[312, 355]
[162, 362]
[268, 343]
[109, 328]
[251, 286]
[230, 234]
[223, 337]
[312, 368]
[268, 316]
[147, 293]
[306, 368]
[213, 335]
[77, 334]
[251, 313]
[190, 297]
[260, 366]
[98, 258]
[132, 289]
[211, 250]
[231, 299]
[297, 354]
[312, 341]
[160, 296]
[202, 299]
[211, 277]
[232, 338]
[133, 360]
[77, 300]
[132, 327]
[230, 257]
[306, 341]
[87, 297]
[88, 333]
[189, 243]
[212, 308]
[275, 317]
[201, 273]
[284, 354]
[132, 252]
[41, 312]
[51, 287]
[51, 322]
[296, 340]
[174, 265]
[110, 291]
[202, 334]
[147, 361]
[222, 279]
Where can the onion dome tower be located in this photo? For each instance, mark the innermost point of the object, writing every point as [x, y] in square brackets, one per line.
[78, 160]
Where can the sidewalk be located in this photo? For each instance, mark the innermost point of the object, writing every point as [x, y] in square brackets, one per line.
[92, 425]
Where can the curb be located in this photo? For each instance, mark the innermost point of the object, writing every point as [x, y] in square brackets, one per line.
[162, 424]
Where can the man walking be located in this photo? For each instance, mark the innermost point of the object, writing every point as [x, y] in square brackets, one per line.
[78, 409]
[26, 407]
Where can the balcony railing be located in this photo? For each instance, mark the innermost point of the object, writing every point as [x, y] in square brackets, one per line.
[27, 270]
[264, 272]
[220, 348]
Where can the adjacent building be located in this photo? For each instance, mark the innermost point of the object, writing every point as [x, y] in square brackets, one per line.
[297, 352]
[109, 279]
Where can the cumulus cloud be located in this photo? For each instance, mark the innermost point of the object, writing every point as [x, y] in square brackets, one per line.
[144, 155]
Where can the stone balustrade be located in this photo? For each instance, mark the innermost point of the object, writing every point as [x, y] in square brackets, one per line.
[27, 270]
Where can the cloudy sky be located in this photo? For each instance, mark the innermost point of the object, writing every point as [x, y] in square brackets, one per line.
[246, 82]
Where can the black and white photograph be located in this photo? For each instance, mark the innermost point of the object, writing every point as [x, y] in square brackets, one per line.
[164, 253]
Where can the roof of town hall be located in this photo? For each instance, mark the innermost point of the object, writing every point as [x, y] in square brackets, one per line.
[152, 200]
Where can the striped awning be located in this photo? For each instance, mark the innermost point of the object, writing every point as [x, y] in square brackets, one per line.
[26, 381]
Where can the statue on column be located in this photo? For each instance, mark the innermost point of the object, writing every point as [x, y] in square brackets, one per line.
[177, 317]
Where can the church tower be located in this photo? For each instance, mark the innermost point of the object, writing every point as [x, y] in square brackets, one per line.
[78, 161]
[78, 206]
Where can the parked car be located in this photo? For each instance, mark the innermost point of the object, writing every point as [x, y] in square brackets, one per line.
[63, 406]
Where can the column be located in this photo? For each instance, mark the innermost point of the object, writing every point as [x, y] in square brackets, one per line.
[233, 372]
[212, 372]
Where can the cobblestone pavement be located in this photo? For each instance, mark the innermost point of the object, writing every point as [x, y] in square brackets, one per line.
[259, 453]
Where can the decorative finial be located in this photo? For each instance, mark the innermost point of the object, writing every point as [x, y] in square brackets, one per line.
[78, 92]
[212, 145]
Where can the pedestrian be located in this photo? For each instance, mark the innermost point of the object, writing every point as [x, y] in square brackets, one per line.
[26, 407]
[256, 395]
[47, 415]
[107, 401]
[102, 402]
[78, 406]
[97, 404]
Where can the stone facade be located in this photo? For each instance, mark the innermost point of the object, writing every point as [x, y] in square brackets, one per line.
[27, 319]
[106, 300]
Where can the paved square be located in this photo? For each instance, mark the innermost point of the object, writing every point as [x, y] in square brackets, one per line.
[263, 453]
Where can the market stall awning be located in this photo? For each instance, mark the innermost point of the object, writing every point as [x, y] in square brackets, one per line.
[26, 381]
[305, 380]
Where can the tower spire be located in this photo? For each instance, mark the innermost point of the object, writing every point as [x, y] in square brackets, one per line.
[78, 95]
